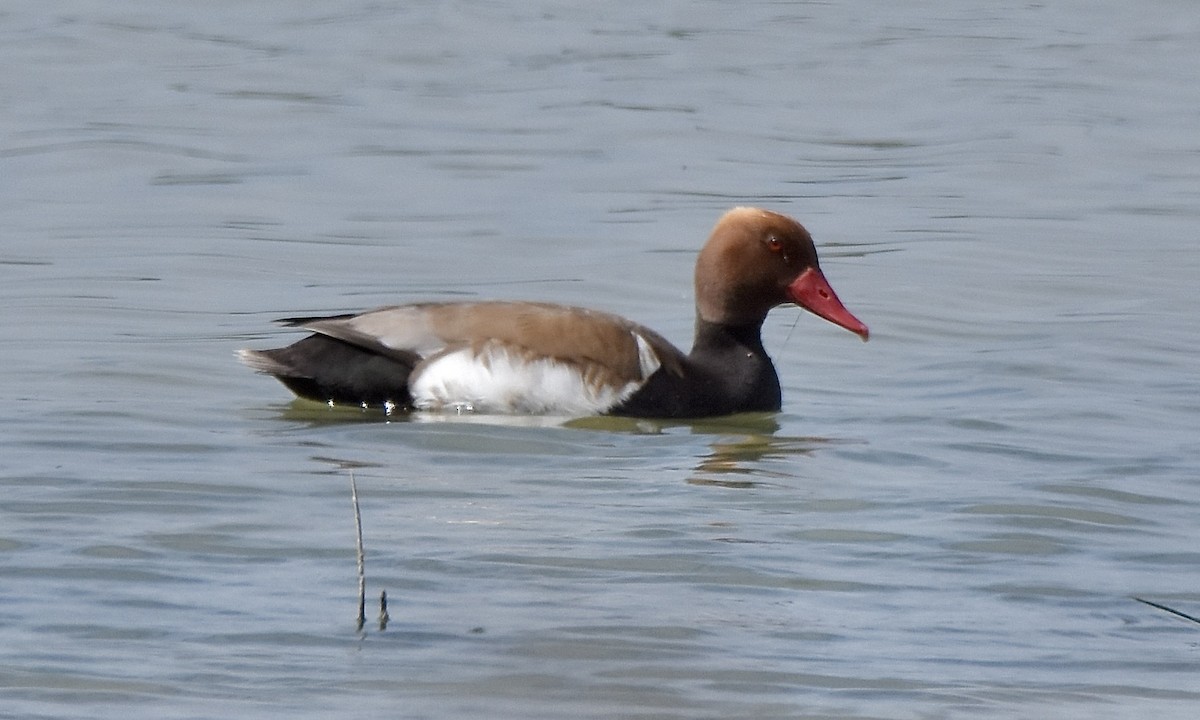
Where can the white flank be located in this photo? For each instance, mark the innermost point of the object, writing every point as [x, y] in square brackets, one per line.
[496, 381]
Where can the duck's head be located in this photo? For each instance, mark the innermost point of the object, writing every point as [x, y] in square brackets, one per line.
[756, 260]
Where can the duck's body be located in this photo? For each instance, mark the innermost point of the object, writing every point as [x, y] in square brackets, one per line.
[538, 358]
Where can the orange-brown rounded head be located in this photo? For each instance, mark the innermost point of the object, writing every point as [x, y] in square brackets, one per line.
[756, 260]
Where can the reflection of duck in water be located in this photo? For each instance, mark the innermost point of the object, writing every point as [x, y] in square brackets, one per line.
[536, 358]
[742, 451]
[738, 461]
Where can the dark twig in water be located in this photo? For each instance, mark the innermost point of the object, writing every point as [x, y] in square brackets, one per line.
[383, 613]
[1171, 610]
[362, 575]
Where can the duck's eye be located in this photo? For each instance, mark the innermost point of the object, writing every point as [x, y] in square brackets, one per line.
[775, 245]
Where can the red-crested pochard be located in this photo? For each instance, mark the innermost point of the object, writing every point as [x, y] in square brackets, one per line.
[538, 358]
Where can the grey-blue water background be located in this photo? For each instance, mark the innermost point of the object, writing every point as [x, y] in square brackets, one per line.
[949, 521]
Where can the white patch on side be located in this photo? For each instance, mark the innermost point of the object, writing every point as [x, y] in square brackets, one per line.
[497, 381]
[647, 359]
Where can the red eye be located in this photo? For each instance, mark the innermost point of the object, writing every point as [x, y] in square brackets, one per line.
[776, 246]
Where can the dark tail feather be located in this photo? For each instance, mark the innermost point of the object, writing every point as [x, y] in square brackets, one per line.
[325, 369]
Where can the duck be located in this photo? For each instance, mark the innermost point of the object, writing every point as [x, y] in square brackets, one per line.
[537, 358]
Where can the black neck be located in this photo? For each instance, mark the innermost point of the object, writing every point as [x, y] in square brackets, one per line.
[715, 338]
[736, 366]
[726, 372]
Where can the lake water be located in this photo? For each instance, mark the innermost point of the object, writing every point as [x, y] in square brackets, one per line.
[951, 521]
